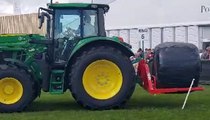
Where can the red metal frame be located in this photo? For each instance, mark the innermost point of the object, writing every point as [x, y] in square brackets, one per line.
[149, 82]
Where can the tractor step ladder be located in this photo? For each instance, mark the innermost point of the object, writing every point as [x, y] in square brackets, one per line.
[57, 82]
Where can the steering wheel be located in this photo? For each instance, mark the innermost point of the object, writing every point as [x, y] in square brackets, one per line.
[69, 33]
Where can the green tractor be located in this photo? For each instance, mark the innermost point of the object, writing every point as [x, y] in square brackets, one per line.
[74, 55]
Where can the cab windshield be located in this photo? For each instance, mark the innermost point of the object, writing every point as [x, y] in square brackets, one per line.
[75, 23]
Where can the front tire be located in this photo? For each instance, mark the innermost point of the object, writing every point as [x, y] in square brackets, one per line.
[16, 89]
[102, 78]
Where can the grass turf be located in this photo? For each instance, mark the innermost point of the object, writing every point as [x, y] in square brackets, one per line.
[142, 106]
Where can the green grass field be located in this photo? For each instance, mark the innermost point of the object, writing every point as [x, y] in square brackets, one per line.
[142, 106]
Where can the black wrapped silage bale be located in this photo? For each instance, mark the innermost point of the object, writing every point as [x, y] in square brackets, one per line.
[176, 64]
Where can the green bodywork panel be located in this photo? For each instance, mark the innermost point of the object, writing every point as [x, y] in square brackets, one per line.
[86, 41]
[109, 40]
[19, 43]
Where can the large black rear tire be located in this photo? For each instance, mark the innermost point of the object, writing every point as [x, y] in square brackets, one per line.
[17, 90]
[102, 78]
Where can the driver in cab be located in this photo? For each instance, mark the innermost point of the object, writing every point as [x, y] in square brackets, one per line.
[89, 29]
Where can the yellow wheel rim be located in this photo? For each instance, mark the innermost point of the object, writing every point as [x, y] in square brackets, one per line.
[102, 79]
[11, 90]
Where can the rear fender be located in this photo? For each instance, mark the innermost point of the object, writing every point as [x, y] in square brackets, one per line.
[96, 41]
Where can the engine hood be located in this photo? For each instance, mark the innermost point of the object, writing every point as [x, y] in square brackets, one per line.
[16, 38]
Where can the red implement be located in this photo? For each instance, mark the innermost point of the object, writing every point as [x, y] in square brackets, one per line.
[149, 82]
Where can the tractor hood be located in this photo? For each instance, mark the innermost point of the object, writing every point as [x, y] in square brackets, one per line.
[19, 42]
[16, 38]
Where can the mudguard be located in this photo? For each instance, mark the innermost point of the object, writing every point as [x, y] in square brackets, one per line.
[88, 42]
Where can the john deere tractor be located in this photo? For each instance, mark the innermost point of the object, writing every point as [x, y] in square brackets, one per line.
[74, 55]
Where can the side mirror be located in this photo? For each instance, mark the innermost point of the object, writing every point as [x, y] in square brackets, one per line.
[41, 20]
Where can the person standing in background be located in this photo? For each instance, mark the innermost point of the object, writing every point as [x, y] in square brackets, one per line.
[139, 53]
[137, 57]
[89, 29]
[206, 54]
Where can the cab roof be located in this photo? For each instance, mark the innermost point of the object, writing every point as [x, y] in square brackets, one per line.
[78, 5]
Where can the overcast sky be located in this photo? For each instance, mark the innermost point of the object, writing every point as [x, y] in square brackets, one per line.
[131, 12]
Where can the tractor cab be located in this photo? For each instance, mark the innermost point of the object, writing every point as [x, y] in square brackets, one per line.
[68, 23]
[72, 25]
